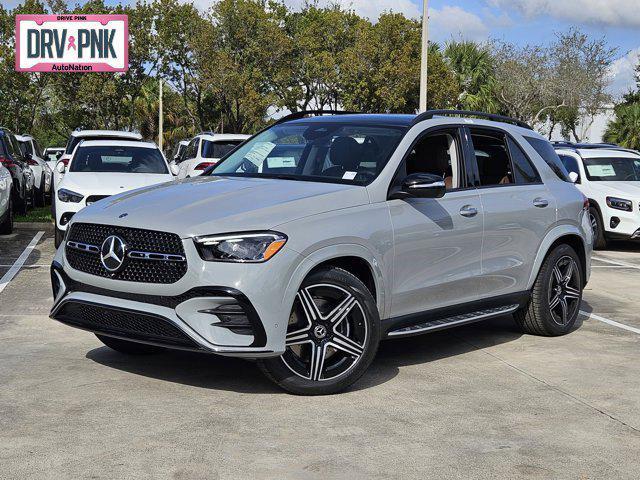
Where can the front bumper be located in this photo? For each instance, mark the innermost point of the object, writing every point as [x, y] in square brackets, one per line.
[619, 224]
[228, 309]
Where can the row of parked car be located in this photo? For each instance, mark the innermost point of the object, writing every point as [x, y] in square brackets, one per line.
[99, 163]
[194, 156]
[26, 177]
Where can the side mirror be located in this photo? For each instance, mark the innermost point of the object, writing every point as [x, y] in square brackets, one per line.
[61, 167]
[574, 177]
[58, 155]
[422, 185]
[174, 169]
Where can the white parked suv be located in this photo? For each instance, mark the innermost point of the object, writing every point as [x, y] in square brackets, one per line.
[42, 175]
[78, 135]
[609, 176]
[52, 155]
[321, 236]
[205, 150]
[101, 168]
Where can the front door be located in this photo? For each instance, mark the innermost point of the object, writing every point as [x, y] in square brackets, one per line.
[437, 241]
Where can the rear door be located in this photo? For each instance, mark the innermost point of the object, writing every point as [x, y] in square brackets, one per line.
[518, 211]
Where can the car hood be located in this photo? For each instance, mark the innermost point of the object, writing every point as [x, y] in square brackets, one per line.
[618, 189]
[207, 205]
[109, 183]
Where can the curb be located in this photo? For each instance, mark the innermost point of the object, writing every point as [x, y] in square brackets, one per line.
[47, 226]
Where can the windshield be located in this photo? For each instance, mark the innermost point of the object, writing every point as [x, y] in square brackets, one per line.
[218, 149]
[118, 160]
[613, 169]
[315, 151]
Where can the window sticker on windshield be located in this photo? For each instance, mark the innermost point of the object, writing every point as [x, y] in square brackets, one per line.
[349, 175]
[259, 152]
[601, 170]
[281, 162]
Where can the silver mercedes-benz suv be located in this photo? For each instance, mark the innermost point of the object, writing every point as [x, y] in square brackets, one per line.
[323, 235]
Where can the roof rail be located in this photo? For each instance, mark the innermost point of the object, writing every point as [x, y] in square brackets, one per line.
[592, 146]
[304, 113]
[429, 114]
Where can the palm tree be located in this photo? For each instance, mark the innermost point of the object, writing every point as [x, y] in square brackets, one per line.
[474, 69]
[625, 129]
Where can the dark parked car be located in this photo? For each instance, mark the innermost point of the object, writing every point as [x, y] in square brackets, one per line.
[13, 160]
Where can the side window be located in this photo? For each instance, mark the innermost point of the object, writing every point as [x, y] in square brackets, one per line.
[14, 148]
[523, 170]
[549, 155]
[37, 149]
[192, 149]
[438, 154]
[492, 156]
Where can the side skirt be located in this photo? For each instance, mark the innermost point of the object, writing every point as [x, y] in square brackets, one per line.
[449, 317]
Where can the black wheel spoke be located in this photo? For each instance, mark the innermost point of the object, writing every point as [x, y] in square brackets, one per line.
[327, 333]
[564, 290]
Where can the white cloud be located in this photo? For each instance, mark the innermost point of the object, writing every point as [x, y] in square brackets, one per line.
[619, 13]
[445, 23]
[454, 22]
[623, 73]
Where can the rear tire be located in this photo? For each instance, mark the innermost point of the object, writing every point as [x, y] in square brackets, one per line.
[332, 337]
[555, 299]
[597, 225]
[6, 225]
[128, 348]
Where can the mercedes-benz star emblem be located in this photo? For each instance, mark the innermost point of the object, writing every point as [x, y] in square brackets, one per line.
[112, 253]
[320, 331]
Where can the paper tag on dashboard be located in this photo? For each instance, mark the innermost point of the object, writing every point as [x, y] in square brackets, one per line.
[349, 175]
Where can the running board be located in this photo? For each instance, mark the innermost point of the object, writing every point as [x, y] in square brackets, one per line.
[442, 323]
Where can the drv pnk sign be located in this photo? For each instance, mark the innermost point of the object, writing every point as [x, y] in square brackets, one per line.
[72, 43]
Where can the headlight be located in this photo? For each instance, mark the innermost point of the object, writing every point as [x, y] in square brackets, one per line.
[254, 247]
[620, 204]
[69, 196]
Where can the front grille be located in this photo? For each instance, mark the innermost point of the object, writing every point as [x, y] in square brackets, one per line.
[124, 323]
[141, 270]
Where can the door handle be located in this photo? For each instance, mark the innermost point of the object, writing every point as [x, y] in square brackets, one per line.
[540, 202]
[468, 211]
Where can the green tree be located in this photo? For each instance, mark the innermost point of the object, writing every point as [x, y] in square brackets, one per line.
[474, 68]
[625, 129]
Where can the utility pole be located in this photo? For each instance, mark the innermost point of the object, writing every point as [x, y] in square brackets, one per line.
[160, 117]
[424, 56]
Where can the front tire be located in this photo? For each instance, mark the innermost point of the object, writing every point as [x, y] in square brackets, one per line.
[597, 226]
[128, 348]
[6, 226]
[59, 237]
[557, 292]
[332, 336]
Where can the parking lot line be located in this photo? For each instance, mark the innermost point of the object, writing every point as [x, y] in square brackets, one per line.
[619, 264]
[17, 265]
[610, 322]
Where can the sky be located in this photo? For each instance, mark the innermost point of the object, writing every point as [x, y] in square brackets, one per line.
[517, 21]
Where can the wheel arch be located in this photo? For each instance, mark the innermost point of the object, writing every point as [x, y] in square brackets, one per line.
[563, 234]
[356, 259]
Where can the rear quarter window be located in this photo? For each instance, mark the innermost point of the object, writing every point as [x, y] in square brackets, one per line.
[549, 155]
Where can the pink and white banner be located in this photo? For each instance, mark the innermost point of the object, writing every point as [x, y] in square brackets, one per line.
[72, 43]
